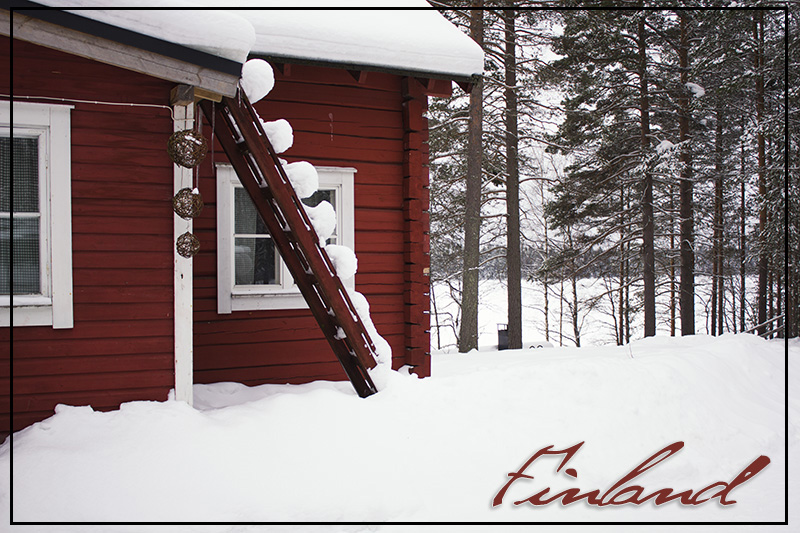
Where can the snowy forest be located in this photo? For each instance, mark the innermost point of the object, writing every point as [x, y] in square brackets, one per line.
[645, 148]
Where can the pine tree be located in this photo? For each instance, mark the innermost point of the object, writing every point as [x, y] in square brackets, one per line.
[468, 336]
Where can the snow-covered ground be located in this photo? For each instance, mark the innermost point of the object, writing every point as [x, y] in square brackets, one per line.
[435, 449]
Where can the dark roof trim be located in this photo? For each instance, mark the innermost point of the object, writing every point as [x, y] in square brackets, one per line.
[368, 68]
[125, 37]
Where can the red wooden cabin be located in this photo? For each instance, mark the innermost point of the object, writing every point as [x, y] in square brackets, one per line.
[105, 312]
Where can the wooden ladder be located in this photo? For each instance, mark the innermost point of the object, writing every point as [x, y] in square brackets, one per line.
[241, 135]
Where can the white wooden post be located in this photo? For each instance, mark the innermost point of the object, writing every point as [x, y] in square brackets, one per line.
[183, 281]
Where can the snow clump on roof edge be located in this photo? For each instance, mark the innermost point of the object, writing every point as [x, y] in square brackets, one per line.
[258, 80]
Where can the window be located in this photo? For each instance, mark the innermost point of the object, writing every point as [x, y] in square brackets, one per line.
[40, 249]
[250, 272]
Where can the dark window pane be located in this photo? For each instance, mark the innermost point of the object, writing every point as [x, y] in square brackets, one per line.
[26, 174]
[26, 256]
[246, 218]
[327, 195]
[255, 261]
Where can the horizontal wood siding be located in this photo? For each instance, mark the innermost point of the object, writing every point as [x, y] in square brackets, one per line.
[337, 121]
[121, 347]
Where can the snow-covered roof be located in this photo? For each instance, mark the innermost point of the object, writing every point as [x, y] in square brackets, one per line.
[409, 39]
[415, 38]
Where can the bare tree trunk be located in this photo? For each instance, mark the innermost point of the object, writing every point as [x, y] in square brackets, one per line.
[648, 228]
[714, 288]
[770, 296]
[628, 295]
[546, 284]
[672, 300]
[620, 333]
[561, 315]
[758, 36]
[575, 329]
[513, 260]
[468, 337]
[717, 287]
[778, 303]
[574, 282]
[742, 235]
[686, 187]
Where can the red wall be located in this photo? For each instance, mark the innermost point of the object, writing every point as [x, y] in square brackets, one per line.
[337, 121]
[121, 347]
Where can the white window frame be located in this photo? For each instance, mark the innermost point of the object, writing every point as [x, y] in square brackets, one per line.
[285, 295]
[54, 306]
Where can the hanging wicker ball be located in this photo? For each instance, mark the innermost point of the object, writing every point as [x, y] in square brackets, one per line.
[187, 204]
[187, 245]
[187, 148]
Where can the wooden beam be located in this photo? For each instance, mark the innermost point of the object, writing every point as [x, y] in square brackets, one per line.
[98, 49]
[439, 88]
[186, 95]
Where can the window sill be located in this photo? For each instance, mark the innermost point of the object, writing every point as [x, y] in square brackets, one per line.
[28, 315]
[267, 301]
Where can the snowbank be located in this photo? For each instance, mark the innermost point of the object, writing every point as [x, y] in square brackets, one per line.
[437, 449]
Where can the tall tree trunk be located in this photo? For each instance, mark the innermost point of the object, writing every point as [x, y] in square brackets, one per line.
[573, 276]
[714, 279]
[778, 303]
[770, 296]
[622, 275]
[513, 260]
[672, 299]
[742, 235]
[718, 289]
[648, 228]
[686, 187]
[561, 314]
[763, 259]
[628, 294]
[575, 329]
[468, 336]
[546, 284]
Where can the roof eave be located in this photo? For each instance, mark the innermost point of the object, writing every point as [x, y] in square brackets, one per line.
[74, 34]
[462, 80]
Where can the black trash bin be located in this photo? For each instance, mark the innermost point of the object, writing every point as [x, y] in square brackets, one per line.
[502, 336]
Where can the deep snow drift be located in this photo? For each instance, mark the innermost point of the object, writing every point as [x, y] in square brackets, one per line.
[435, 449]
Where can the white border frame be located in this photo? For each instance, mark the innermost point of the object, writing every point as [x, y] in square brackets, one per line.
[55, 305]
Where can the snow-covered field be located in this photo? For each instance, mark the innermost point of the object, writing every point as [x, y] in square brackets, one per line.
[430, 450]
[596, 323]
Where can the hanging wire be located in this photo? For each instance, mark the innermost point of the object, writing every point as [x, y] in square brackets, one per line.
[96, 102]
